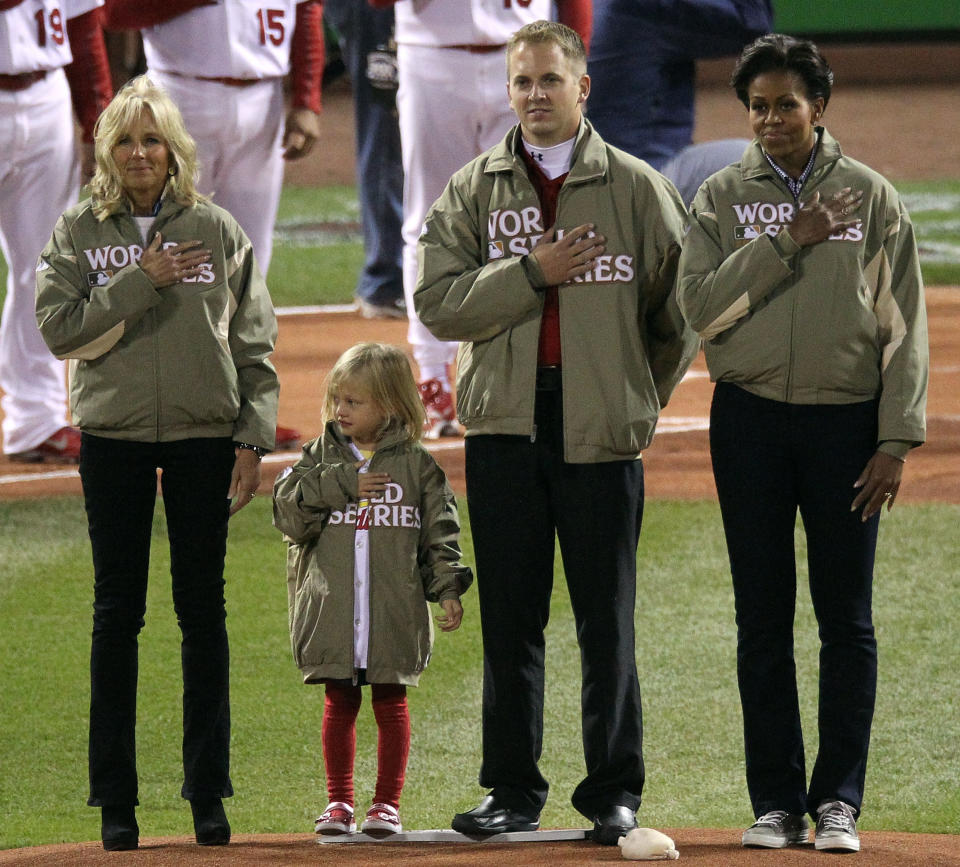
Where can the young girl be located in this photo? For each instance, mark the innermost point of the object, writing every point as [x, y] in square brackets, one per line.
[372, 529]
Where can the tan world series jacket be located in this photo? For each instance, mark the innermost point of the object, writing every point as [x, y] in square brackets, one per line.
[414, 557]
[153, 365]
[624, 343]
[842, 321]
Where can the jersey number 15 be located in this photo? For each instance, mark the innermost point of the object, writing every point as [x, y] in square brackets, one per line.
[271, 26]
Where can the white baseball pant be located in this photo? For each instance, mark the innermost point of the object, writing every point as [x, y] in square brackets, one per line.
[39, 180]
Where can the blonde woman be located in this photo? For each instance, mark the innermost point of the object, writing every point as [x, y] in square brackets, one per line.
[153, 294]
[372, 529]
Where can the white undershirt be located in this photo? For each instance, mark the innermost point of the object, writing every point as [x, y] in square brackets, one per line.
[554, 160]
[144, 224]
[361, 573]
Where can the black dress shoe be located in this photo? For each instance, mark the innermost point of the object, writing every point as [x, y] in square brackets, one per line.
[612, 823]
[210, 822]
[494, 817]
[118, 828]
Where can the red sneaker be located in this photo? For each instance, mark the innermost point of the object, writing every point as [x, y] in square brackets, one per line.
[336, 819]
[287, 438]
[381, 819]
[441, 414]
[61, 448]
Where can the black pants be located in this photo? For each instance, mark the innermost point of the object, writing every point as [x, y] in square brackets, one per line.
[520, 495]
[120, 487]
[769, 460]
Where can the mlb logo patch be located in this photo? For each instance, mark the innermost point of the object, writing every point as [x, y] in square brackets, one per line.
[98, 278]
[495, 249]
[746, 233]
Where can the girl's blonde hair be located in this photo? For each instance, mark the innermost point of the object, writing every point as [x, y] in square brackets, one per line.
[137, 96]
[382, 371]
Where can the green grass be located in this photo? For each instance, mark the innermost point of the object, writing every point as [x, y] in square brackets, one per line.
[318, 252]
[685, 654]
[935, 210]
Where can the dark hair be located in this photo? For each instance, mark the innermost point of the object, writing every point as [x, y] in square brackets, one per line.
[778, 52]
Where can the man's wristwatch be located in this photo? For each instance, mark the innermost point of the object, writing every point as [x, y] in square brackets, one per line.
[259, 451]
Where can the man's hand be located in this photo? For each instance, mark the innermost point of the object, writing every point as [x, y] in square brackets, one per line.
[245, 479]
[572, 256]
[301, 131]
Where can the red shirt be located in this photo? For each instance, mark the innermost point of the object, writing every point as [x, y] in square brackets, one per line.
[548, 354]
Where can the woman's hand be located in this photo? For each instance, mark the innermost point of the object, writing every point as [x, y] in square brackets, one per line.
[878, 483]
[571, 256]
[815, 221]
[245, 479]
[452, 615]
[166, 266]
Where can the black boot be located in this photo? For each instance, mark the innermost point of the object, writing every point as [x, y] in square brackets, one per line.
[118, 828]
[210, 822]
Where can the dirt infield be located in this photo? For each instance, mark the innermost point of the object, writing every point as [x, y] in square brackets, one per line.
[677, 464]
[717, 848]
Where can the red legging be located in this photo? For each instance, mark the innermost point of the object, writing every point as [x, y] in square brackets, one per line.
[341, 706]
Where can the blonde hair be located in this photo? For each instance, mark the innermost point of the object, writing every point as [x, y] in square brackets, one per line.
[137, 96]
[551, 33]
[384, 372]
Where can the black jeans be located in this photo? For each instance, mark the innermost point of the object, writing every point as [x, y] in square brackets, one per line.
[769, 460]
[521, 495]
[120, 488]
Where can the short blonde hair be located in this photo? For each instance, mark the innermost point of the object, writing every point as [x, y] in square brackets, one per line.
[384, 372]
[137, 96]
[551, 33]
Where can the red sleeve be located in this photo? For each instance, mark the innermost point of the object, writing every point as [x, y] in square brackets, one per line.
[577, 15]
[307, 56]
[89, 73]
[134, 14]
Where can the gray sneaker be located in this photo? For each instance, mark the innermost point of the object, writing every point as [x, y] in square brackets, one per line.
[777, 830]
[836, 828]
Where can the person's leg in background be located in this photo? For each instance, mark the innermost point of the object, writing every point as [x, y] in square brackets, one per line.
[366, 45]
[432, 100]
[39, 179]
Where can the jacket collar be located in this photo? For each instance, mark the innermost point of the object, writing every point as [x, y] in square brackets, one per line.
[754, 164]
[589, 154]
[331, 433]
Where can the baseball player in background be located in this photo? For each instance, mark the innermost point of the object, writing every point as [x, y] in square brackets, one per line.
[643, 100]
[452, 108]
[51, 54]
[370, 57]
[223, 62]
